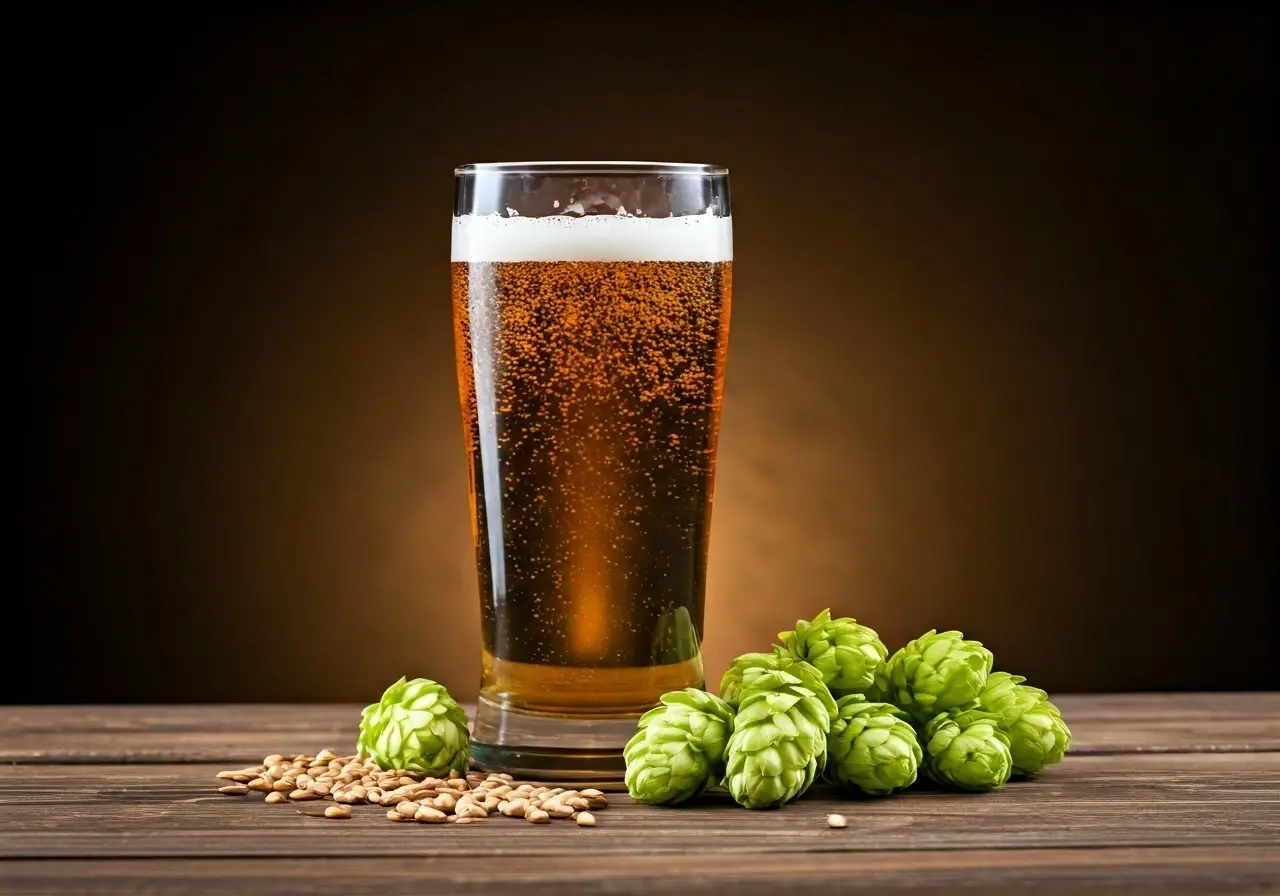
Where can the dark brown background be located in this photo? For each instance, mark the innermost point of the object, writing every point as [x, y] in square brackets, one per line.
[999, 358]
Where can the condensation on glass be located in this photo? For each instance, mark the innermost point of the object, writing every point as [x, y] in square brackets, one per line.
[591, 305]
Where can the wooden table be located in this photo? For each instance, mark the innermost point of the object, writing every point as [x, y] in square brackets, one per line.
[1160, 794]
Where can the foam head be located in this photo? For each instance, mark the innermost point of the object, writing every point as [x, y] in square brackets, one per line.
[592, 238]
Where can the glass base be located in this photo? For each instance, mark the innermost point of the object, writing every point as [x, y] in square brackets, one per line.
[551, 748]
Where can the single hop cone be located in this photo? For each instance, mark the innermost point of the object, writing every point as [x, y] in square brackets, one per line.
[678, 748]
[936, 673]
[743, 672]
[1037, 734]
[731, 681]
[967, 750]
[779, 741]
[416, 726]
[846, 653]
[871, 748]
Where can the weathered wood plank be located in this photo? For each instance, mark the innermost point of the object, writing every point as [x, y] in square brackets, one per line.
[1106, 872]
[1114, 723]
[1137, 800]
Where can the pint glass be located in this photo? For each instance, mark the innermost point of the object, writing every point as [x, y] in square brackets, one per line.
[591, 311]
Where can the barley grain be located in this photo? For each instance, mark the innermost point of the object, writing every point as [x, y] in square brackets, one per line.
[427, 815]
[513, 808]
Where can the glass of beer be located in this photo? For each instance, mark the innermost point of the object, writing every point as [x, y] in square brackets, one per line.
[591, 312]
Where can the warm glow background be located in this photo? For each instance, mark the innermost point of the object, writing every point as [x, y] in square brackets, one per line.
[998, 355]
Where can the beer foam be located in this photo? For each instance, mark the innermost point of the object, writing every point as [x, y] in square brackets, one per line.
[592, 238]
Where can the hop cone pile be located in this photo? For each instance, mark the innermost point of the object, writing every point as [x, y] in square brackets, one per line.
[416, 726]
[967, 750]
[935, 673]
[1037, 734]
[678, 749]
[846, 653]
[779, 742]
[871, 748]
[933, 708]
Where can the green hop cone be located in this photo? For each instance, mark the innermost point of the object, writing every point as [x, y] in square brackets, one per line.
[678, 748]
[845, 652]
[779, 741]
[747, 668]
[1037, 734]
[936, 673]
[731, 682]
[416, 726]
[967, 750]
[871, 747]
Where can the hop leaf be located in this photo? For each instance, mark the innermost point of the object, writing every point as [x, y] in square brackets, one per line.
[416, 726]
[967, 750]
[678, 748]
[779, 742]
[845, 652]
[1037, 734]
[935, 673]
[871, 748]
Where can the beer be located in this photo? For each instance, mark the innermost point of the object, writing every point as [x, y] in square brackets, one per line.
[591, 359]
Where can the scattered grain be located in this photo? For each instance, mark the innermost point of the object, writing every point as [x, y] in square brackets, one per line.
[339, 781]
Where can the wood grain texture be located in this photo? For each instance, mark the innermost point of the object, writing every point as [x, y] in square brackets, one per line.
[1138, 800]
[1119, 723]
[1044, 872]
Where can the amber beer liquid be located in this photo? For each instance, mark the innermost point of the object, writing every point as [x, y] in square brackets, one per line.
[591, 356]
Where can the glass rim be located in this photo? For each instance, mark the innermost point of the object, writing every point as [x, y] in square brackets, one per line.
[633, 169]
